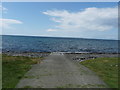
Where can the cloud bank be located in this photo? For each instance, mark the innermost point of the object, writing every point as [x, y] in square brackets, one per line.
[6, 23]
[3, 9]
[89, 19]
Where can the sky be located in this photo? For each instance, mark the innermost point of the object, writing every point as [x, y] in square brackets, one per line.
[60, 19]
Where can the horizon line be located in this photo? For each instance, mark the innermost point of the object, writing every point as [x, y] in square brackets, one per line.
[59, 37]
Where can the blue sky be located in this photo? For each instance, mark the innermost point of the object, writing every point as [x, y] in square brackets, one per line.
[83, 20]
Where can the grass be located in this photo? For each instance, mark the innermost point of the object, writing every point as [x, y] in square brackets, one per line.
[14, 68]
[105, 68]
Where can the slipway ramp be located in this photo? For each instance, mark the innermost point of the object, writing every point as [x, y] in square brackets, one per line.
[56, 71]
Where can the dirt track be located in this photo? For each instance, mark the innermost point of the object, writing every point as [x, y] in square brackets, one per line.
[57, 71]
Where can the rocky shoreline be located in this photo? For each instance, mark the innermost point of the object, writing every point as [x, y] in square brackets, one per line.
[86, 56]
[30, 54]
[72, 56]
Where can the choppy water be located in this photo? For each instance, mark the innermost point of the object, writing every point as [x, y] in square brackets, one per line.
[47, 44]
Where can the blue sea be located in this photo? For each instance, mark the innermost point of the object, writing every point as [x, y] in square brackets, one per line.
[56, 44]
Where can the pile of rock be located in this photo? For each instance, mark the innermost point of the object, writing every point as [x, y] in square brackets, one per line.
[82, 58]
[44, 54]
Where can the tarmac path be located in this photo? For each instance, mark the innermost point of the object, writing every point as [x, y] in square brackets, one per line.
[56, 71]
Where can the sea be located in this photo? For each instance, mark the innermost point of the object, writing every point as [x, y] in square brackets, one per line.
[57, 44]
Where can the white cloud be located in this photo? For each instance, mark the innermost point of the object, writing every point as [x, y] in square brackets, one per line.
[98, 19]
[51, 30]
[6, 23]
[3, 9]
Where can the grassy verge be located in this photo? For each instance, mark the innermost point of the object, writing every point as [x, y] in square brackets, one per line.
[105, 68]
[14, 68]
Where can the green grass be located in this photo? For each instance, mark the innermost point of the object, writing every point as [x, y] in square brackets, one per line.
[14, 68]
[105, 68]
